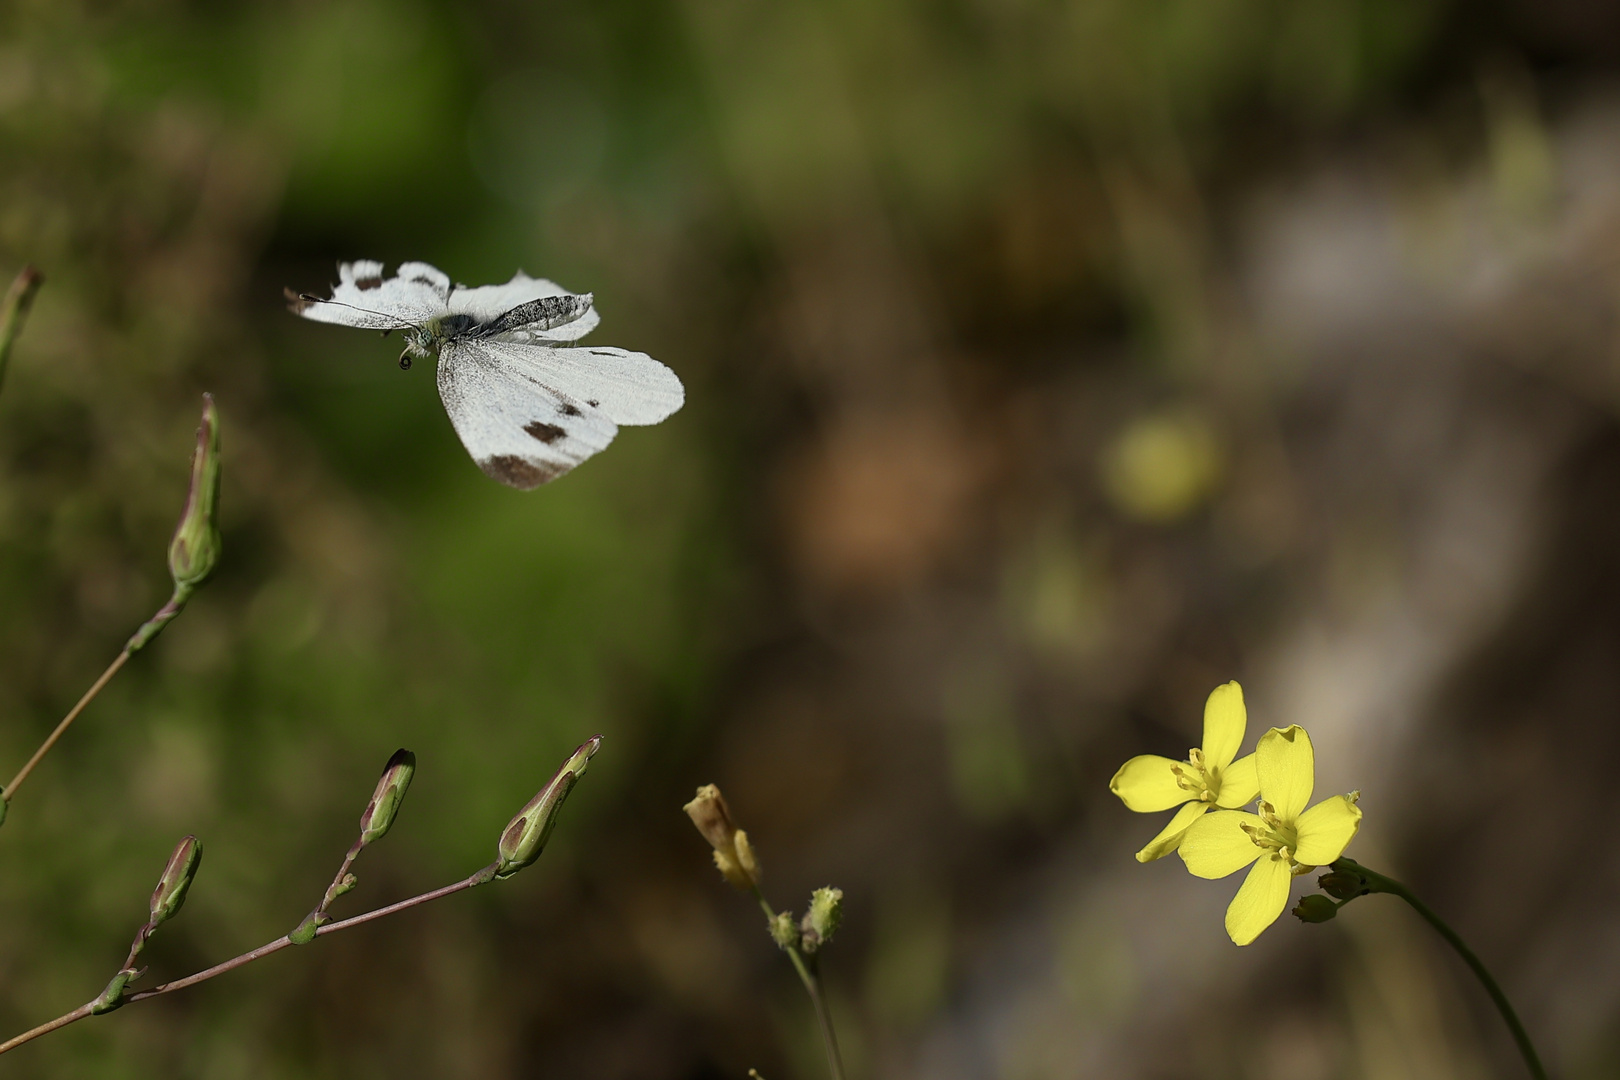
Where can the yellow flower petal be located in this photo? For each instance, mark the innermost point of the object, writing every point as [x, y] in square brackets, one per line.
[1146, 784]
[1216, 845]
[1224, 721]
[1326, 829]
[1261, 899]
[1169, 837]
[1240, 783]
[1287, 767]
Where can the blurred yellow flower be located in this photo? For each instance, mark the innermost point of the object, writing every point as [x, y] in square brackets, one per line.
[1208, 778]
[1282, 840]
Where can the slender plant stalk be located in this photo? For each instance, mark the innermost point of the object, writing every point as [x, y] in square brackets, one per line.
[1379, 883]
[73, 714]
[248, 957]
[14, 311]
[812, 986]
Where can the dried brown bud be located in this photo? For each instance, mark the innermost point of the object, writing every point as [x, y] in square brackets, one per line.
[733, 855]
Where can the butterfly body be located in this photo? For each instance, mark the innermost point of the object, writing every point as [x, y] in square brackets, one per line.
[527, 405]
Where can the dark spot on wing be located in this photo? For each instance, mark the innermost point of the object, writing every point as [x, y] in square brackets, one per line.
[546, 433]
[519, 472]
[593, 403]
[569, 410]
[299, 302]
[366, 284]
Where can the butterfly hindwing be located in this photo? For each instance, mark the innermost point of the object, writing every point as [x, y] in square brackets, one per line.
[520, 429]
[489, 304]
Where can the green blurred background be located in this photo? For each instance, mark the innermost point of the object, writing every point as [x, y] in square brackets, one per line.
[1048, 363]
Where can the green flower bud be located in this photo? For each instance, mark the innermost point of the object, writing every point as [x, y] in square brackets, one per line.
[171, 889]
[194, 551]
[384, 804]
[1315, 908]
[783, 932]
[1343, 884]
[525, 836]
[821, 921]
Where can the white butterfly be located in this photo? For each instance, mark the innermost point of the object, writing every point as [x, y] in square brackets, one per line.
[527, 407]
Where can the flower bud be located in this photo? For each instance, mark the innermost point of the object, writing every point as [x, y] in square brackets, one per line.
[733, 855]
[384, 804]
[783, 932]
[170, 893]
[1343, 884]
[525, 836]
[821, 921]
[194, 551]
[1315, 908]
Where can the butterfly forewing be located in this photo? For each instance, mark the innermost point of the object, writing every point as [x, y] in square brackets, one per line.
[521, 430]
[364, 298]
[627, 387]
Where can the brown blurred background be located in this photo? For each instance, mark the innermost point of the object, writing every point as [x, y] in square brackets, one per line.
[1048, 363]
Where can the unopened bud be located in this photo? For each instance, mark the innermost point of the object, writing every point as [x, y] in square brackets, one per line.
[783, 932]
[1315, 908]
[194, 551]
[384, 804]
[170, 893]
[1343, 884]
[525, 836]
[733, 855]
[821, 921]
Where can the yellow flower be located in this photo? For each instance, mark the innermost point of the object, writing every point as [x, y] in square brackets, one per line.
[1207, 779]
[1282, 840]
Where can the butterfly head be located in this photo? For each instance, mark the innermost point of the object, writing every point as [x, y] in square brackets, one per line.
[423, 342]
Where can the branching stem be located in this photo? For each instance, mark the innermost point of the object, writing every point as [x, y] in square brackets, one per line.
[806, 967]
[262, 951]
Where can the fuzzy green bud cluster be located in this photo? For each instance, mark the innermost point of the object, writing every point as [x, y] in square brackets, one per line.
[526, 834]
[821, 921]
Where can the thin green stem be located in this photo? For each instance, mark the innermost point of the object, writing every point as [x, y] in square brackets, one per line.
[145, 634]
[73, 714]
[14, 311]
[248, 957]
[1377, 882]
[812, 986]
